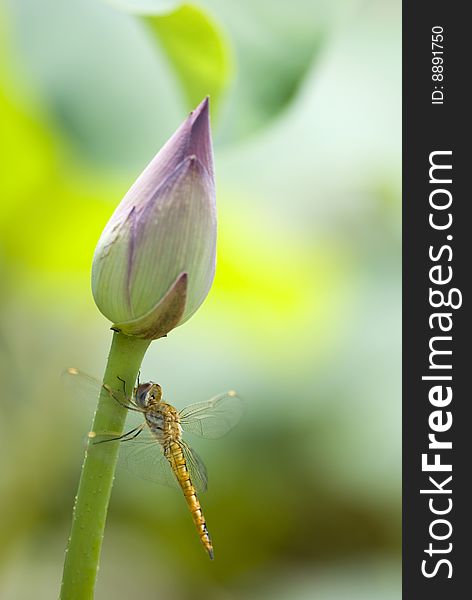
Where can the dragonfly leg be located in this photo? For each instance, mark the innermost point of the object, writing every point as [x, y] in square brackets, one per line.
[140, 428]
[124, 438]
[133, 404]
[124, 404]
[124, 384]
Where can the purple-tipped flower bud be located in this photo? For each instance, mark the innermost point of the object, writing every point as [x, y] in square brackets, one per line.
[155, 260]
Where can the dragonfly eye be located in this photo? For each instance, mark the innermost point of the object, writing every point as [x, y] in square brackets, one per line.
[146, 393]
[155, 393]
[142, 394]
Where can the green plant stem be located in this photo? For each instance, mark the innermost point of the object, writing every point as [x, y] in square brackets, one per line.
[91, 505]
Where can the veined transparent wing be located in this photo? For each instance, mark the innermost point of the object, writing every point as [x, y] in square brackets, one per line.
[87, 389]
[83, 386]
[144, 457]
[80, 385]
[196, 468]
[213, 418]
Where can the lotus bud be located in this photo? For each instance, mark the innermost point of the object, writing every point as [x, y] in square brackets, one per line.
[155, 260]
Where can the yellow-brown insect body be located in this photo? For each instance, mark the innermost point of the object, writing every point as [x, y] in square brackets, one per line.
[163, 422]
[175, 456]
[160, 454]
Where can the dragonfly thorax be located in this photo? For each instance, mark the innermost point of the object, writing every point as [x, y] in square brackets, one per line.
[148, 394]
[163, 421]
[155, 420]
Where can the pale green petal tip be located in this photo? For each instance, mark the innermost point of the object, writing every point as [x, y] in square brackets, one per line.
[163, 317]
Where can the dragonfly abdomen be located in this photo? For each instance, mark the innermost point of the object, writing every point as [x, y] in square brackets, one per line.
[176, 459]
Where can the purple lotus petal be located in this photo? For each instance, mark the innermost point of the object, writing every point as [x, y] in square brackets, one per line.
[192, 138]
[164, 226]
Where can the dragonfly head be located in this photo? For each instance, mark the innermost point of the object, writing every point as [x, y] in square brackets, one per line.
[148, 394]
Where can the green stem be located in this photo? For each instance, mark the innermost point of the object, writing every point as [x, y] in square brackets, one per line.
[91, 505]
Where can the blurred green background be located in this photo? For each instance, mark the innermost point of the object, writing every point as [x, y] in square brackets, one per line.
[303, 318]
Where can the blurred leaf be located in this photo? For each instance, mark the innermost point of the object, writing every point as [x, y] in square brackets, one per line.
[197, 50]
[101, 97]
[276, 50]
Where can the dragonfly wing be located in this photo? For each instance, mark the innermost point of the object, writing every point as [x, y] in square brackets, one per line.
[196, 468]
[213, 418]
[80, 385]
[83, 387]
[144, 457]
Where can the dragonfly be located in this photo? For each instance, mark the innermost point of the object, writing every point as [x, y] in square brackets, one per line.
[155, 448]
